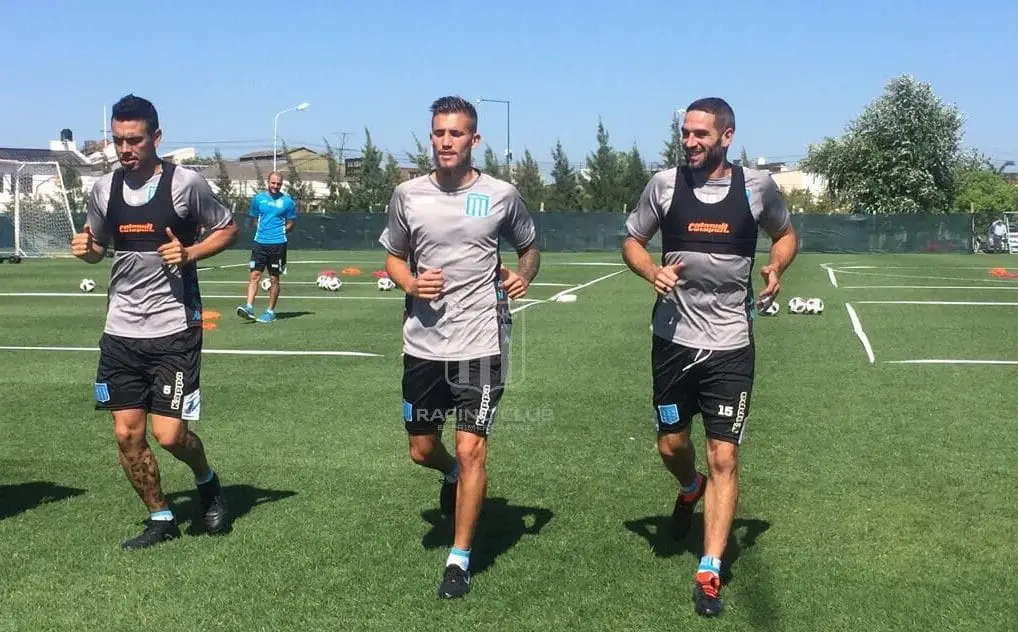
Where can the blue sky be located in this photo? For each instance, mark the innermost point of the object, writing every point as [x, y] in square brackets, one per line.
[795, 71]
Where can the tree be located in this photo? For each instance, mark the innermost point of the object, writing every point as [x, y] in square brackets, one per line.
[673, 154]
[73, 188]
[223, 183]
[393, 176]
[897, 156]
[299, 190]
[339, 198]
[982, 190]
[370, 189]
[634, 178]
[259, 177]
[803, 201]
[601, 189]
[422, 158]
[744, 158]
[564, 192]
[492, 166]
[527, 178]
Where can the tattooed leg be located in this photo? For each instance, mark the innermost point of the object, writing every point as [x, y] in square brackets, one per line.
[175, 437]
[137, 459]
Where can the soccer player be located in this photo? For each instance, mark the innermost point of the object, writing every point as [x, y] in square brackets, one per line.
[273, 213]
[152, 214]
[703, 352]
[442, 239]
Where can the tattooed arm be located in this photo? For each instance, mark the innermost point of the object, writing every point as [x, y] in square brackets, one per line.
[530, 263]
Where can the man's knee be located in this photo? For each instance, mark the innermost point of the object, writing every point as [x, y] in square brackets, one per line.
[169, 435]
[129, 428]
[671, 444]
[422, 447]
[255, 275]
[722, 457]
[471, 451]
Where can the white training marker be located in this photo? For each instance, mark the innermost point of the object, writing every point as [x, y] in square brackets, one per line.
[566, 298]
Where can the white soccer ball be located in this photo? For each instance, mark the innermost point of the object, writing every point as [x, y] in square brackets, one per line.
[266, 283]
[333, 284]
[772, 309]
[796, 305]
[86, 285]
[322, 280]
[385, 284]
[815, 306]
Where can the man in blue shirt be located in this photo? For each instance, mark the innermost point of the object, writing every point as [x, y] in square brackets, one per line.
[273, 213]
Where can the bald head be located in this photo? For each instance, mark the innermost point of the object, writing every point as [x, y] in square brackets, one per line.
[275, 182]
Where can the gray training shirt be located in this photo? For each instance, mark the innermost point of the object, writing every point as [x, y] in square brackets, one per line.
[710, 306]
[457, 231]
[146, 298]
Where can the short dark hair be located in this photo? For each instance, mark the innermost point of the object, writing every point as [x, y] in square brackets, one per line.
[132, 108]
[724, 116]
[455, 105]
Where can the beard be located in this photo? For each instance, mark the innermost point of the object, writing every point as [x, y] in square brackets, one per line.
[713, 158]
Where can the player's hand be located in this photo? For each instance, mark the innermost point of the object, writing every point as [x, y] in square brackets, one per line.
[82, 244]
[173, 252]
[515, 285]
[428, 285]
[770, 292]
[667, 277]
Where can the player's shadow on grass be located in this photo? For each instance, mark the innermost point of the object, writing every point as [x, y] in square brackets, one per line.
[501, 527]
[240, 500]
[21, 497]
[285, 315]
[657, 530]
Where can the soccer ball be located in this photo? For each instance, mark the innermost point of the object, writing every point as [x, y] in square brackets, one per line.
[333, 284]
[322, 280]
[772, 309]
[815, 306]
[86, 285]
[385, 284]
[266, 283]
[796, 305]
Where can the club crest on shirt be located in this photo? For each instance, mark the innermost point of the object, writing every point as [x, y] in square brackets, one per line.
[478, 205]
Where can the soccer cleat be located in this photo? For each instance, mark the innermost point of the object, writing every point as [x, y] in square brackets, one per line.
[455, 583]
[707, 594]
[267, 317]
[156, 531]
[682, 514]
[245, 312]
[213, 505]
[447, 498]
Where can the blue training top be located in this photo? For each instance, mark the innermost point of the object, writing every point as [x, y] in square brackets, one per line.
[272, 214]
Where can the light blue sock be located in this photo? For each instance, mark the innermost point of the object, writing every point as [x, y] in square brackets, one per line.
[709, 564]
[165, 514]
[459, 557]
[250, 307]
[208, 477]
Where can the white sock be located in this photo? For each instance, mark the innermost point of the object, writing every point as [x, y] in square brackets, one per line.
[459, 558]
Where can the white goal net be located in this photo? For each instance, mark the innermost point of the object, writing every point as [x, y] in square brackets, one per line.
[35, 216]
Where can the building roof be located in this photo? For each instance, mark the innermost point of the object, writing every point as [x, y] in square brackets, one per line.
[267, 153]
[66, 158]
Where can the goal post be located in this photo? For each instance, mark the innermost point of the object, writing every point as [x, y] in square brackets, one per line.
[35, 214]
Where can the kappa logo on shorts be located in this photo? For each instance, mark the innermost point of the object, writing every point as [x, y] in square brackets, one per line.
[102, 392]
[478, 205]
[668, 414]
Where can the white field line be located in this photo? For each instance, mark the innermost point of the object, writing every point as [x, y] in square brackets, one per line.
[857, 327]
[354, 283]
[1007, 362]
[245, 352]
[566, 291]
[381, 263]
[998, 303]
[914, 276]
[995, 288]
[324, 296]
[830, 274]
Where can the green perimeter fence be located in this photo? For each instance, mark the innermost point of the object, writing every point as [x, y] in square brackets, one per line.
[599, 232]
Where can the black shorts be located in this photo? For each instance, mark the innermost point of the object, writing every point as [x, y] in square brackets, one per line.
[716, 384]
[433, 390]
[159, 375]
[271, 256]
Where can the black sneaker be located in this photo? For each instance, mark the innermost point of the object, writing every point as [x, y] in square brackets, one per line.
[213, 505]
[455, 583]
[682, 514]
[447, 497]
[156, 531]
[707, 595]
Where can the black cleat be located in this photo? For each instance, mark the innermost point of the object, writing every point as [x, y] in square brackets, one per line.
[213, 505]
[156, 532]
[682, 514]
[455, 583]
[447, 498]
[707, 595]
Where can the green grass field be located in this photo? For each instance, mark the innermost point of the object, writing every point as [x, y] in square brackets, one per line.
[874, 496]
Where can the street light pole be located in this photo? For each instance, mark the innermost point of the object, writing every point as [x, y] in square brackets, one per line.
[508, 141]
[275, 127]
